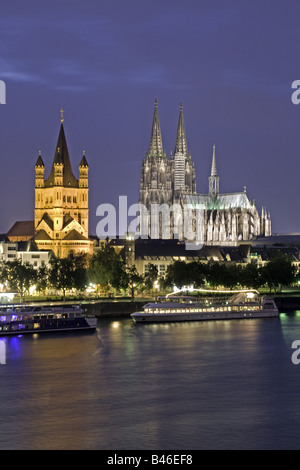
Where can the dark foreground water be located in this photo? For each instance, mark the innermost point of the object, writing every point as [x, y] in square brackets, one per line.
[217, 385]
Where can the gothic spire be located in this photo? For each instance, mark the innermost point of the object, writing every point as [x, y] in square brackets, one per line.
[214, 180]
[61, 156]
[214, 165]
[156, 147]
[181, 144]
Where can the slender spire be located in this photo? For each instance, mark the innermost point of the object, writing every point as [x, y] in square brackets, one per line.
[214, 165]
[181, 144]
[156, 147]
[214, 180]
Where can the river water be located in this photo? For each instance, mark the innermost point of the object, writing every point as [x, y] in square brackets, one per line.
[200, 385]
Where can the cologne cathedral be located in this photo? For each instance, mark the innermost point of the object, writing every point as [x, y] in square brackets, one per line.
[226, 219]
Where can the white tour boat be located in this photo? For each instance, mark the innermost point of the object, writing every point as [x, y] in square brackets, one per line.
[44, 319]
[242, 305]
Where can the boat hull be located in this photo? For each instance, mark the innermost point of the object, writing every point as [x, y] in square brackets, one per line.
[19, 328]
[142, 317]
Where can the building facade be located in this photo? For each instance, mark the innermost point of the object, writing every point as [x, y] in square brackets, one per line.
[174, 209]
[61, 215]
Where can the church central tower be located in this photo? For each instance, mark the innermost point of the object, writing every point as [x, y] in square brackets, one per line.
[61, 216]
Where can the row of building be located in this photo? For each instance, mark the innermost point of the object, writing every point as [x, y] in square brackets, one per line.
[232, 229]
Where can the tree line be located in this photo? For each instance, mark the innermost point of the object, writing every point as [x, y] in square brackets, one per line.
[279, 272]
[107, 269]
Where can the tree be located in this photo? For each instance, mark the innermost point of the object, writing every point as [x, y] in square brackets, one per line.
[106, 268]
[232, 276]
[151, 276]
[278, 272]
[134, 279]
[20, 277]
[197, 273]
[61, 274]
[178, 274]
[118, 278]
[42, 275]
[80, 266]
[216, 274]
[251, 276]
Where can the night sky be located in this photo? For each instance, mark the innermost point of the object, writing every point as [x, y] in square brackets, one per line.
[231, 64]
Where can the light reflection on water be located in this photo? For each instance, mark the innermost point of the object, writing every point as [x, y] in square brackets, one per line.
[201, 385]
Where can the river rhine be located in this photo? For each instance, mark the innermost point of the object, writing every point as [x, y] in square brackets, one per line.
[201, 385]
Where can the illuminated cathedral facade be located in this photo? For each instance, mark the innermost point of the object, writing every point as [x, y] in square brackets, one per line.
[226, 219]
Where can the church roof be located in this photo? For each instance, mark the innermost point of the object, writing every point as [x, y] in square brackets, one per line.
[172, 248]
[83, 161]
[42, 235]
[74, 235]
[46, 217]
[39, 161]
[22, 228]
[67, 220]
[29, 245]
[61, 156]
[221, 202]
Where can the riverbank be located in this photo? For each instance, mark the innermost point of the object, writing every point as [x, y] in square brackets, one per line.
[103, 309]
[287, 303]
[115, 309]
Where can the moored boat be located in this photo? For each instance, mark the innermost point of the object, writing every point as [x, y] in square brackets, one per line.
[243, 305]
[44, 319]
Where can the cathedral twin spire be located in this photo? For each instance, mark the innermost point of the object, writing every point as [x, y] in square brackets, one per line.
[156, 146]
